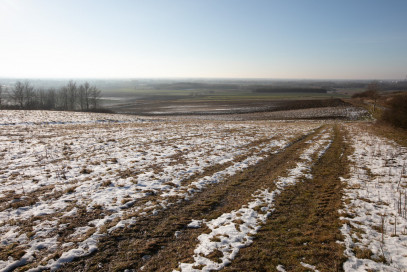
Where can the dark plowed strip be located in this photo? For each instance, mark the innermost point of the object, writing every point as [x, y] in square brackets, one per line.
[151, 242]
[305, 224]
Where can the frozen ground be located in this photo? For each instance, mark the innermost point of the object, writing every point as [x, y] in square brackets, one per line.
[234, 230]
[69, 178]
[375, 227]
[343, 113]
[23, 117]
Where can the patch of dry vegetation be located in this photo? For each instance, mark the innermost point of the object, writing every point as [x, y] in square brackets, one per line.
[304, 226]
[151, 241]
[67, 184]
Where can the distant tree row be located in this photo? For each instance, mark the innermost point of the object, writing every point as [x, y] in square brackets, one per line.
[70, 97]
[1, 95]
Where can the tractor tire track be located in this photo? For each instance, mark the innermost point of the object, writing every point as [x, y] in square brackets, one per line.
[159, 242]
[304, 228]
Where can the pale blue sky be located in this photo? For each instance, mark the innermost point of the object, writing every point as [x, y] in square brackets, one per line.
[304, 39]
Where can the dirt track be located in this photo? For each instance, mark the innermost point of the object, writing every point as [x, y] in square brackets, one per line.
[305, 224]
[151, 243]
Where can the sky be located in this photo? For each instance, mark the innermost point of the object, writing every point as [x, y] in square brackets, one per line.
[273, 39]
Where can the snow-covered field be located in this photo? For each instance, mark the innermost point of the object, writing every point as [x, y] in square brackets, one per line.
[23, 117]
[66, 176]
[68, 179]
[375, 214]
[234, 230]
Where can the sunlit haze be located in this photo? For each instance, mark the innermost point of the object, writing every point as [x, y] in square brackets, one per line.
[364, 39]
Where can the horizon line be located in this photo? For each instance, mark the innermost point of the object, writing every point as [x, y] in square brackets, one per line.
[201, 78]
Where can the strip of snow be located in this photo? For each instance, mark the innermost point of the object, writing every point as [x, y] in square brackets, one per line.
[234, 230]
[195, 224]
[230, 232]
[313, 268]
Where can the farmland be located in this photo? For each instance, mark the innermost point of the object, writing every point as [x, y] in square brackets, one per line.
[248, 192]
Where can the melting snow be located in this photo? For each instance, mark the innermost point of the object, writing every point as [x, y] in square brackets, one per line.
[375, 199]
[234, 230]
[56, 165]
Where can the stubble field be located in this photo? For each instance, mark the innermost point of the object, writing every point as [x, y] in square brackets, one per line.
[99, 192]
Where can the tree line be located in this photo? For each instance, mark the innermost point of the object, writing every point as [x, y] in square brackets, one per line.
[71, 97]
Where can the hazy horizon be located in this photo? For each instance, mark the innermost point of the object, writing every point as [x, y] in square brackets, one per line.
[187, 79]
[203, 39]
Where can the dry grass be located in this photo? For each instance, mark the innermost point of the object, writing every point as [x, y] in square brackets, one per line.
[305, 224]
[154, 236]
[379, 128]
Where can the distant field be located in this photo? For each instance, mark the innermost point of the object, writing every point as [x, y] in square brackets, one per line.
[261, 96]
[201, 101]
[229, 105]
[198, 94]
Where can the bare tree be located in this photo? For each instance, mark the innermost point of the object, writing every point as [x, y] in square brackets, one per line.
[1, 94]
[88, 97]
[23, 94]
[63, 98]
[30, 96]
[17, 93]
[72, 91]
[69, 97]
[84, 96]
[81, 97]
[373, 91]
[41, 98]
[94, 97]
[50, 99]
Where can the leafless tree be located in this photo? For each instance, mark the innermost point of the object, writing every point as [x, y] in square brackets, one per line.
[30, 96]
[94, 97]
[72, 91]
[69, 97]
[23, 94]
[50, 99]
[41, 98]
[63, 98]
[45, 99]
[1, 94]
[17, 93]
[373, 90]
[84, 96]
